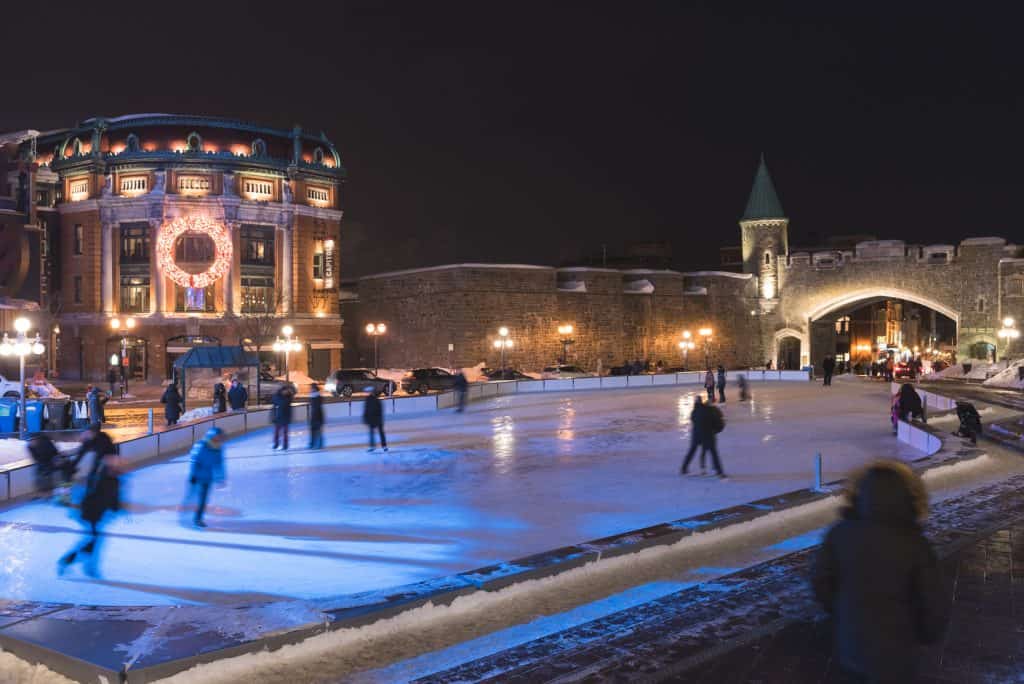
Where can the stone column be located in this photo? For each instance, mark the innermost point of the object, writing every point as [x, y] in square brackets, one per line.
[107, 266]
[286, 271]
[229, 277]
[158, 287]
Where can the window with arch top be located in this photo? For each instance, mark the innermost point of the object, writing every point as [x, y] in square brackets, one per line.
[132, 143]
[767, 258]
[259, 148]
[194, 142]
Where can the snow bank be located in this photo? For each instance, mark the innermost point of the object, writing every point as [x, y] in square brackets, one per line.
[196, 413]
[983, 371]
[979, 370]
[16, 671]
[1008, 378]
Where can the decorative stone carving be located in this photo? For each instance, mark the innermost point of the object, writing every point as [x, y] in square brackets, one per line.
[229, 184]
[158, 184]
[108, 184]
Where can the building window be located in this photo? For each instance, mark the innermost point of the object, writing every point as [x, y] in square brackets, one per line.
[258, 294]
[132, 144]
[318, 266]
[194, 142]
[134, 185]
[194, 249]
[79, 189]
[79, 239]
[77, 297]
[1015, 286]
[257, 245]
[843, 326]
[135, 294]
[135, 245]
[318, 195]
[76, 147]
[193, 185]
[259, 148]
[318, 155]
[981, 305]
[258, 189]
[767, 258]
[194, 299]
[43, 198]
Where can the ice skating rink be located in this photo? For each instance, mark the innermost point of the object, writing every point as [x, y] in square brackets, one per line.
[512, 476]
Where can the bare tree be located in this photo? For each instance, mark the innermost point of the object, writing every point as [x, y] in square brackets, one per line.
[255, 326]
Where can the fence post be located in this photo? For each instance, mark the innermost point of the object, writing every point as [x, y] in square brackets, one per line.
[149, 422]
[817, 472]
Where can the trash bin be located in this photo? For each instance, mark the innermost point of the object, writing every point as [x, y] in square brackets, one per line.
[34, 414]
[8, 411]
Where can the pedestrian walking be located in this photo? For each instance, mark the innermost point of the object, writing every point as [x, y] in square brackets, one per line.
[709, 385]
[207, 456]
[373, 416]
[220, 398]
[172, 404]
[744, 387]
[282, 402]
[237, 395]
[461, 387]
[316, 418]
[721, 383]
[878, 576]
[96, 401]
[102, 495]
[706, 422]
[828, 365]
[112, 379]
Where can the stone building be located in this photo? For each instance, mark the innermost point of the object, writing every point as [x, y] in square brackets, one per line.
[191, 226]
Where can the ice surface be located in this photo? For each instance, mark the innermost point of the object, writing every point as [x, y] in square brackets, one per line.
[513, 476]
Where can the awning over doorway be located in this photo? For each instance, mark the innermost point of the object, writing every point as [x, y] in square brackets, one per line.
[216, 357]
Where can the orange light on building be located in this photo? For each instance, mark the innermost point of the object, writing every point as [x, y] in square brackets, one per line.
[117, 148]
[179, 146]
[210, 148]
[240, 150]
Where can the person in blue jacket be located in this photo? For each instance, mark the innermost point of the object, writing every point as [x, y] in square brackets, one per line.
[207, 457]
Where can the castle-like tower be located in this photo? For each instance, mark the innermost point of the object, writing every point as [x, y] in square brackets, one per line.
[765, 231]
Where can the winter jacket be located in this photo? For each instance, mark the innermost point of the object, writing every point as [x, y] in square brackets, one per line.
[373, 411]
[878, 576]
[282, 402]
[828, 365]
[721, 377]
[909, 401]
[219, 398]
[44, 453]
[102, 492]
[99, 447]
[172, 401]
[316, 410]
[707, 422]
[709, 380]
[96, 400]
[207, 463]
[237, 396]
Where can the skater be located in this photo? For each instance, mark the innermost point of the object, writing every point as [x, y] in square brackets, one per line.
[707, 421]
[879, 578]
[102, 494]
[709, 385]
[44, 453]
[220, 397]
[462, 389]
[316, 417]
[95, 400]
[237, 396]
[282, 401]
[721, 383]
[970, 421]
[829, 366]
[373, 416]
[768, 364]
[207, 457]
[744, 387]
[909, 404]
[172, 404]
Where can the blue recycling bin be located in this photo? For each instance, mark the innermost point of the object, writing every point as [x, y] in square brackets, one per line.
[34, 411]
[8, 417]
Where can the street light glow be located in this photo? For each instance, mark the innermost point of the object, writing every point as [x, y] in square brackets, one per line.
[1008, 322]
[687, 334]
[381, 328]
[287, 331]
[704, 332]
[497, 344]
[22, 325]
[129, 322]
[115, 323]
[503, 331]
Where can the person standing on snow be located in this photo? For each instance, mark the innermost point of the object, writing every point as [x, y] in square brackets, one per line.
[706, 422]
[878, 576]
[207, 458]
[828, 365]
[172, 404]
[373, 416]
[95, 400]
[237, 396]
[709, 385]
[220, 398]
[721, 383]
[316, 418]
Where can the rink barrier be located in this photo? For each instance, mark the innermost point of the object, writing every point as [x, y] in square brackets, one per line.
[917, 435]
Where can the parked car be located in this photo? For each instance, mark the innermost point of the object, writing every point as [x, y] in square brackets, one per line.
[503, 374]
[423, 380]
[564, 372]
[269, 385]
[347, 381]
[9, 388]
[902, 370]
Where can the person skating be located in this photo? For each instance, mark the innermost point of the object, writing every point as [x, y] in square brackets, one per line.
[721, 383]
[207, 458]
[744, 387]
[709, 385]
[461, 388]
[220, 398]
[316, 418]
[828, 365]
[909, 404]
[373, 416]
[172, 404]
[282, 401]
[237, 395]
[45, 454]
[707, 421]
[878, 576]
[102, 494]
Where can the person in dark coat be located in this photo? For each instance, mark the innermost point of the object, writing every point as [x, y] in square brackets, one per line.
[207, 456]
[879, 578]
[706, 422]
[909, 404]
[721, 383]
[373, 416]
[112, 379]
[316, 418]
[44, 453]
[744, 387]
[461, 388]
[282, 401]
[102, 495]
[220, 397]
[237, 396]
[828, 365]
[171, 400]
[709, 385]
[95, 400]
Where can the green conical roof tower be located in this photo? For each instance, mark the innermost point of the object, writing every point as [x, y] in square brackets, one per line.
[764, 201]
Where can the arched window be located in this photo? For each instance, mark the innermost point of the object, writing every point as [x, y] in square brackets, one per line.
[194, 142]
[132, 143]
[318, 155]
[767, 258]
[76, 147]
[259, 148]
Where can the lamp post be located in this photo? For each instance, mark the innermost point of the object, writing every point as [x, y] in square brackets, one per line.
[375, 330]
[565, 332]
[116, 324]
[22, 347]
[287, 345]
[686, 344]
[1009, 333]
[502, 343]
[705, 334]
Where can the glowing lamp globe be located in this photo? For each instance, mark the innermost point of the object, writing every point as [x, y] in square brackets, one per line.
[38, 348]
[287, 330]
[115, 323]
[370, 328]
[497, 344]
[21, 325]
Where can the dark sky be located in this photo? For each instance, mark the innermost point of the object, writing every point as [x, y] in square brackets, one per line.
[538, 132]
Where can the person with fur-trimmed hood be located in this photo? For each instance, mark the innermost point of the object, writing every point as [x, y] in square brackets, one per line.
[879, 577]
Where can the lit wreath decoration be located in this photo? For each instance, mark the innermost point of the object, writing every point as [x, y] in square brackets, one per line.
[169, 234]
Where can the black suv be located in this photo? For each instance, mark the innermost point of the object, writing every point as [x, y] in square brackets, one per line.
[346, 381]
[423, 380]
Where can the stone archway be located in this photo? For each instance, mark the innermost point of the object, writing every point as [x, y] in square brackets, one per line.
[783, 343]
[846, 300]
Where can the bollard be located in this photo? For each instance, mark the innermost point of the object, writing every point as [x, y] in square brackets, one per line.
[149, 422]
[817, 472]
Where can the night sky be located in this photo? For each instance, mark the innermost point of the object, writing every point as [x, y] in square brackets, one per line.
[530, 133]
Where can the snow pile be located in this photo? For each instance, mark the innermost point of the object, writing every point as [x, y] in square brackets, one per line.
[979, 370]
[45, 390]
[983, 371]
[16, 671]
[197, 413]
[1009, 378]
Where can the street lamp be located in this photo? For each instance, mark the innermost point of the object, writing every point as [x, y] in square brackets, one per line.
[125, 326]
[565, 331]
[686, 344]
[1009, 333]
[503, 343]
[705, 334]
[287, 345]
[22, 347]
[375, 330]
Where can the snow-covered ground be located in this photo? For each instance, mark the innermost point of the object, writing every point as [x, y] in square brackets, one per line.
[513, 476]
[1008, 378]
